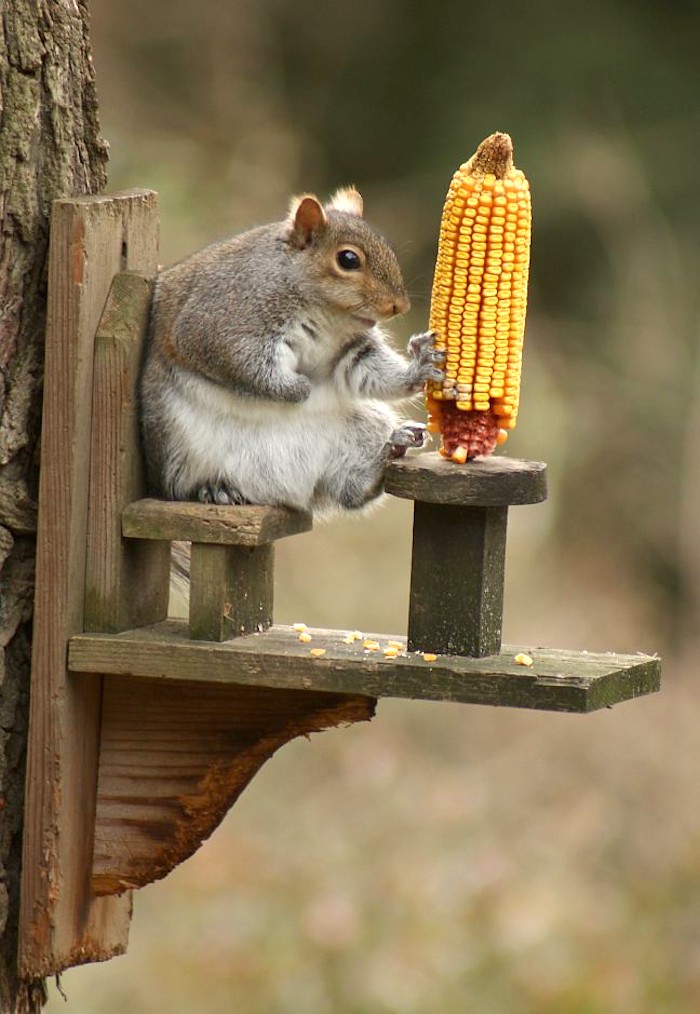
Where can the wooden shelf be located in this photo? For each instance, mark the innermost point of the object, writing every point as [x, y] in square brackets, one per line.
[557, 681]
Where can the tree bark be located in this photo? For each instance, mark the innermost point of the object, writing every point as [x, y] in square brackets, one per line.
[50, 147]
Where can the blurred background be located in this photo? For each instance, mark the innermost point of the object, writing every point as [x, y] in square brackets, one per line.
[447, 858]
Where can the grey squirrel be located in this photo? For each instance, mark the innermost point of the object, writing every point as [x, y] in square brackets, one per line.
[267, 373]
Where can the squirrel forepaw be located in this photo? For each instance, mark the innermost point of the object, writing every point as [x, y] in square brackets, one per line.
[426, 361]
[422, 346]
[409, 434]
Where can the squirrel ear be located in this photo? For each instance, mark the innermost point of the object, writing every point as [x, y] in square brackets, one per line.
[306, 219]
[348, 200]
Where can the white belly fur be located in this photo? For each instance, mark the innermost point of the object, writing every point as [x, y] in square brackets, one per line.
[272, 452]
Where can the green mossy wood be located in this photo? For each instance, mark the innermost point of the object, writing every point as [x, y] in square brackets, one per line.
[459, 546]
[230, 590]
[557, 680]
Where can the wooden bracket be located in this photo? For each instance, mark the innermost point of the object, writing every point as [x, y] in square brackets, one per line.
[145, 730]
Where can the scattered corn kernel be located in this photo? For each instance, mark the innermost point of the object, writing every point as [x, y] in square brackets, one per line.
[304, 637]
[522, 659]
[299, 626]
[428, 656]
[349, 639]
[371, 645]
[391, 652]
[317, 652]
[395, 644]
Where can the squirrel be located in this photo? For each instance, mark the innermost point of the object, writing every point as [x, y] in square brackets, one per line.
[267, 372]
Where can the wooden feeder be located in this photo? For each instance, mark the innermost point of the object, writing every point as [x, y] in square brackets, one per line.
[144, 730]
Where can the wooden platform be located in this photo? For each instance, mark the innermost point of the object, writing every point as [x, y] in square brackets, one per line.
[556, 681]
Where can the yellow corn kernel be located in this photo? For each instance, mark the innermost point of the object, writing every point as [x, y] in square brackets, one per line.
[522, 659]
[479, 293]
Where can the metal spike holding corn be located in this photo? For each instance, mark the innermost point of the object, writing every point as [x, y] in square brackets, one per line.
[479, 300]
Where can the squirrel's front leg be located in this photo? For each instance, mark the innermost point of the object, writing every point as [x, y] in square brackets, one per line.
[371, 368]
[265, 369]
[272, 374]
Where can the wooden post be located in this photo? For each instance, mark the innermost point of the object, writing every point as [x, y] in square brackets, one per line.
[459, 545]
[61, 922]
[126, 581]
[231, 590]
[457, 574]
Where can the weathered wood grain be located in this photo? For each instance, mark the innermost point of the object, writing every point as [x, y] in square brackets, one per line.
[126, 581]
[174, 758]
[494, 481]
[557, 681]
[61, 923]
[231, 590]
[457, 575]
[197, 522]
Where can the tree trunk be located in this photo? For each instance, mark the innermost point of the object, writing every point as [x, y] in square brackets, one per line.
[49, 147]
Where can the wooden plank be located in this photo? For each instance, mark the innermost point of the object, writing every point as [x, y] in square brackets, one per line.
[457, 575]
[495, 481]
[61, 923]
[196, 522]
[230, 590]
[557, 680]
[126, 582]
[174, 758]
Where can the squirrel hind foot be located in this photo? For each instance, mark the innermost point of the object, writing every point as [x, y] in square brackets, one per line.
[221, 493]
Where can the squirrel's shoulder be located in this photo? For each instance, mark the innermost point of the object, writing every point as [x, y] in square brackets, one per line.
[242, 252]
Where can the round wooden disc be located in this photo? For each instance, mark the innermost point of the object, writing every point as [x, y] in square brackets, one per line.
[495, 481]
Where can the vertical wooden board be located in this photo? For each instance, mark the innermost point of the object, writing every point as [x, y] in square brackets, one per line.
[231, 590]
[61, 923]
[126, 581]
[457, 576]
[174, 758]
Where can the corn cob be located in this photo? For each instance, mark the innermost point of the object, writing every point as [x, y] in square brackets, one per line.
[479, 300]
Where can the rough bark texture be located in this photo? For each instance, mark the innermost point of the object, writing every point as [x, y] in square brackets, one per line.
[49, 147]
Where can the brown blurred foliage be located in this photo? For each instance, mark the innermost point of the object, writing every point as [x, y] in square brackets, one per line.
[454, 859]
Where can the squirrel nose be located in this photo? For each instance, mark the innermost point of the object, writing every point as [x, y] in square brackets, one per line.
[400, 304]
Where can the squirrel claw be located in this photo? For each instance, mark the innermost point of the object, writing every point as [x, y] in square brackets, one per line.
[222, 494]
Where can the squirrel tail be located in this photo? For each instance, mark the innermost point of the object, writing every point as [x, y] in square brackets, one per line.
[180, 570]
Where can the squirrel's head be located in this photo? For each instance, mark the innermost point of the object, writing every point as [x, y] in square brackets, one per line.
[350, 265]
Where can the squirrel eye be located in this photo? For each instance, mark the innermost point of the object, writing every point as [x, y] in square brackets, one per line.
[348, 260]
